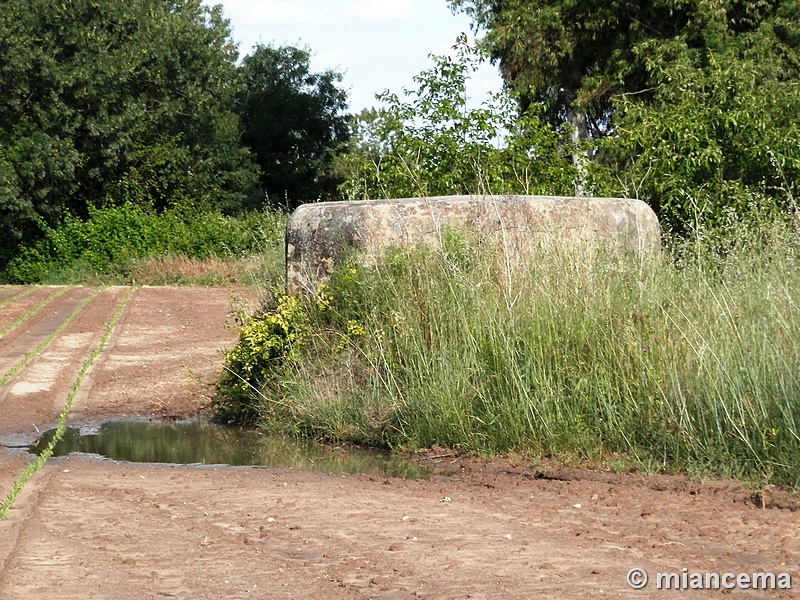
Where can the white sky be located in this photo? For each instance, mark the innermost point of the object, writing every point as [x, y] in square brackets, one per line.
[375, 44]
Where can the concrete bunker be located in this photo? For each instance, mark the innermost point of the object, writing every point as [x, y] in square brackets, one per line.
[316, 234]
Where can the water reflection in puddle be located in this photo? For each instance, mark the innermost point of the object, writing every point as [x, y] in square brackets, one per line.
[197, 442]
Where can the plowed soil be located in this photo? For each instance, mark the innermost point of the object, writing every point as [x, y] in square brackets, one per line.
[90, 528]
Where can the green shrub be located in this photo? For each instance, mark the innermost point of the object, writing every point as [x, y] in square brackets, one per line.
[268, 344]
[434, 144]
[114, 239]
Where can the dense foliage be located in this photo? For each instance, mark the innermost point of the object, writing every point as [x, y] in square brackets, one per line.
[113, 101]
[563, 52]
[141, 102]
[434, 143]
[293, 121]
[697, 99]
[719, 134]
[111, 244]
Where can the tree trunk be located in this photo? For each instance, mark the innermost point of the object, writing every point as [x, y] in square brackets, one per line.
[580, 158]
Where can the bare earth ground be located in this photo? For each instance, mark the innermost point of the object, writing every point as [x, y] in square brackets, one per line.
[90, 528]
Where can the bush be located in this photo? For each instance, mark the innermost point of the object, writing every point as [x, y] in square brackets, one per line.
[114, 239]
[268, 344]
[717, 135]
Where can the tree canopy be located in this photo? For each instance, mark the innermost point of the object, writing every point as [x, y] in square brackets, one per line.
[293, 121]
[696, 100]
[111, 101]
[565, 52]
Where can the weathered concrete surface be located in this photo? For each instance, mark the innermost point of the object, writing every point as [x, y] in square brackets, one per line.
[317, 233]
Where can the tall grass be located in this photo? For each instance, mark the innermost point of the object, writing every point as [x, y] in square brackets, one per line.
[686, 362]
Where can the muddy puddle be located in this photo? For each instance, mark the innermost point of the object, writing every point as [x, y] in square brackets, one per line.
[202, 443]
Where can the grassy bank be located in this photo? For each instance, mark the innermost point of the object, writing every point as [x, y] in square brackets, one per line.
[130, 244]
[687, 361]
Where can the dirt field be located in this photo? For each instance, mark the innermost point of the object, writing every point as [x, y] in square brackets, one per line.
[90, 528]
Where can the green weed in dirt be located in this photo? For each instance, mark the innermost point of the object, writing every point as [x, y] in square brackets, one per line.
[47, 452]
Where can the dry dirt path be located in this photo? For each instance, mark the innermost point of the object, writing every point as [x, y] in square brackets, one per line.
[90, 528]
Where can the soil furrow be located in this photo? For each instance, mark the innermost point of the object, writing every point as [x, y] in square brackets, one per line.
[17, 318]
[38, 327]
[164, 357]
[35, 395]
[61, 426]
[24, 334]
[13, 293]
[12, 528]
[43, 344]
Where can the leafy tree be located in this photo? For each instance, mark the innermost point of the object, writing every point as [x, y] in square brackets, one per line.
[696, 98]
[114, 101]
[715, 141]
[578, 55]
[434, 144]
[293, 121]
